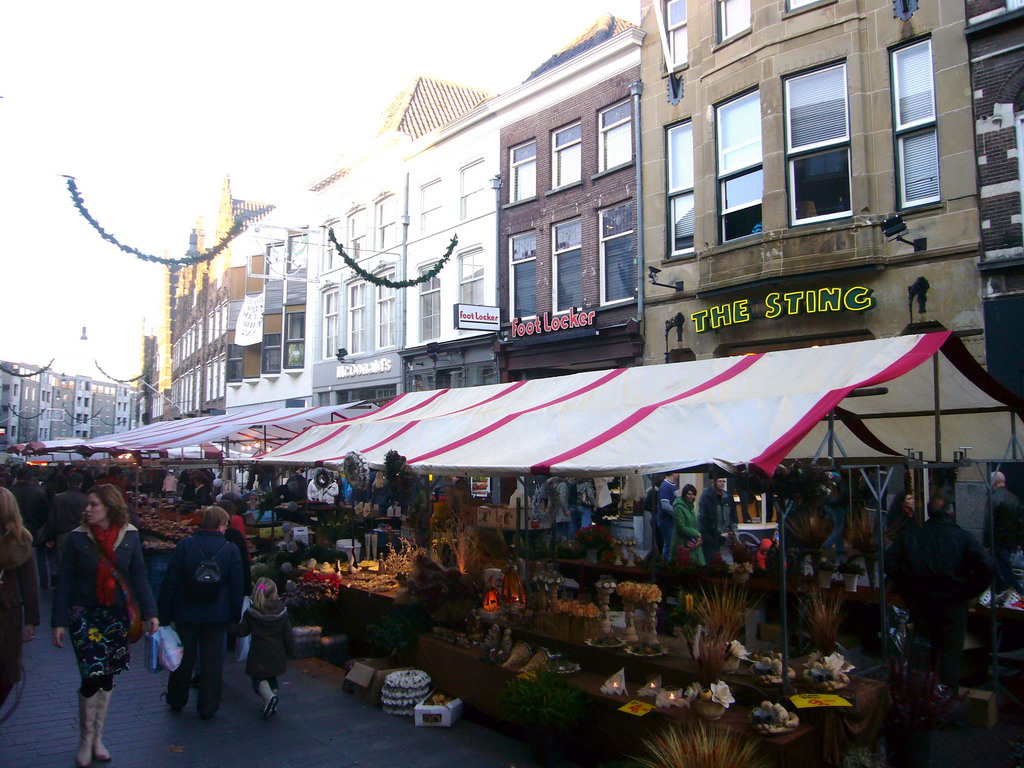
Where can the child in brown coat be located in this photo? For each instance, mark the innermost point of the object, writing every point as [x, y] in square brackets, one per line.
[266, 620]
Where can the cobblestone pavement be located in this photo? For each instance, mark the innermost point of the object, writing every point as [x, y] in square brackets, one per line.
[316, 724]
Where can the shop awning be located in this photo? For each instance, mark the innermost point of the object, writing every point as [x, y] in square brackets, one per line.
[246, 432]
[751, 410]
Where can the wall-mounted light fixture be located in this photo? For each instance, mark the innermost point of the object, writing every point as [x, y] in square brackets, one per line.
[677, 323]
[342, 354]
[894, 227]
[918, 290]
[652, 276]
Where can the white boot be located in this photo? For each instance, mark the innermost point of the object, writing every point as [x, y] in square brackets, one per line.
[269, 698]
[86, 729]
[99, 752]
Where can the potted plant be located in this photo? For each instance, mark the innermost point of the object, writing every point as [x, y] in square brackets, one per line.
[920, 705]
[594, 539]
[825, 570]
[547, 705]
[852, 570]
[709, 697]
[703, 745]
[741, 571]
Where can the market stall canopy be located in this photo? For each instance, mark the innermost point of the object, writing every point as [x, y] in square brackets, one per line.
[752, 410]
[247, 431]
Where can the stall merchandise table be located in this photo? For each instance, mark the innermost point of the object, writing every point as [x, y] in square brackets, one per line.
[460, 672]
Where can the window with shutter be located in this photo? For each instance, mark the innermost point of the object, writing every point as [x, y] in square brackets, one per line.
[524, 172]
[568, 266]
[616, 140]
[566, 156]
[618, 265]
[524, 274]
[916, 131]
[818, 145]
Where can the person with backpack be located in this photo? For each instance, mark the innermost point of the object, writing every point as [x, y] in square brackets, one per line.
[266, 619]
[202, 595]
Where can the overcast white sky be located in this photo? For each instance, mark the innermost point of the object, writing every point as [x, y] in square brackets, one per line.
[149, 107]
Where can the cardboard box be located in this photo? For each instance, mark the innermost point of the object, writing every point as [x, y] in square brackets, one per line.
[441, 716]
[981, 708]
[365, 679]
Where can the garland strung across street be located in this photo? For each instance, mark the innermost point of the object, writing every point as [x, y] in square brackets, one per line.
[199, 258]
[377, 280]
[119, 381]
[11, 372]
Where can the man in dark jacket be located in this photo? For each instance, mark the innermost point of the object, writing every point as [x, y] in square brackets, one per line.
[716, 518]
[66, 512]
[35, 508]
[1009, 533]
[202, 612]
[937, 569]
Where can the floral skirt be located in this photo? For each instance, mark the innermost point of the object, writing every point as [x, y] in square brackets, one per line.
[99, 635]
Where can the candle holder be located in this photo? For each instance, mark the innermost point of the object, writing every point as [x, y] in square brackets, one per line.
[670, 697]
[652, 687]
[616, 684]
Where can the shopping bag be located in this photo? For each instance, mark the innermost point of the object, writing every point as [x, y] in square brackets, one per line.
[169, 649]
[242, 644]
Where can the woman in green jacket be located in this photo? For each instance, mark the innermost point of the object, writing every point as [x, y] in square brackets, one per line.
[687, 534]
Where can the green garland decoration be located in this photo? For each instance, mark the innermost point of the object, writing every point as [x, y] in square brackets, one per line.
[235, 231]
[377, 280]
[11, 372]
[119, 381]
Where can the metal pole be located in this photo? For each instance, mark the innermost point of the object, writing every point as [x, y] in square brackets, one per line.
[635, 89]
[783, 593]
[990, 525]
[938, 412]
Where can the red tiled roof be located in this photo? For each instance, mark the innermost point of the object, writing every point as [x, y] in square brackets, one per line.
[427, 104]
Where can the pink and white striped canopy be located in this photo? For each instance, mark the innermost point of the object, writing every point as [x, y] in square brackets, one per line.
[274, 426]
[750, 410]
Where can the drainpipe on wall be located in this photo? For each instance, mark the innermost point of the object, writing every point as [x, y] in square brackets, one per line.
[635, 89]
[403, 262]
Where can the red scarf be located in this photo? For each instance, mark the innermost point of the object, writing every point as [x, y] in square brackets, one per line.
[105, 582]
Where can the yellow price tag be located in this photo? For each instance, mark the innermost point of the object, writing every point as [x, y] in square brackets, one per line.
[805, 700]
[637, 708]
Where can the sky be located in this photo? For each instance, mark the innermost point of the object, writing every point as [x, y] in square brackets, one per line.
[149, 106]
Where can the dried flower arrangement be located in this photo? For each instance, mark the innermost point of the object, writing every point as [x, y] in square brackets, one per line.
[635, 592]
[702, 746]
[860, 532]
[809, 528]
[824, 613]
[722, 608]
[710, 650]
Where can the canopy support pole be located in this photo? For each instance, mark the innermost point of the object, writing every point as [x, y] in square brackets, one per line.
[878, 488]
[831, 439]
[1014, 445]
[938, 410]
[783, 511]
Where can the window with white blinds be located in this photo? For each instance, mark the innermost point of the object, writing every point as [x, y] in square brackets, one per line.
[568, 263]
[566, 156]
[618, 264]
[917, 141]
[523, 162]
[616, 140]
[733, 17]
[818, 145]
[740, 174]
[523, 290]
[680, 192]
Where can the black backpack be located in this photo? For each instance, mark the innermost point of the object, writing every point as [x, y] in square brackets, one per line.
[204, 586]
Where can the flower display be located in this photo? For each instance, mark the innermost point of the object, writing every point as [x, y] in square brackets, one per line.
[594, 537]
[634, 592]
[576, 609]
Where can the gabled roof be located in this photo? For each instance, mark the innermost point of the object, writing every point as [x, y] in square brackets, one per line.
[427, 104]
[247, 210]
[605, 28]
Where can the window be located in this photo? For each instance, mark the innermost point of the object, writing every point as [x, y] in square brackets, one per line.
[295, 340]
[385, 221]
[917, 140]
[568, 264]
[330, 326]
[733, 17]
[524, 275]
[430, 307]
[357, 318]
[566, 156]
[615, 141]
[675, 22]
[618, 267]
[740, 173]
[386, 313]
[271, 359]
[818, 145]
[471, 277]
[794, 4]
[356, 232]
[524, 172]
[680, 187]
[430, 207]
[472, 191]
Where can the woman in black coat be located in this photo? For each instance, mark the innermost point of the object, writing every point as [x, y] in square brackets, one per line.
[19, 594]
